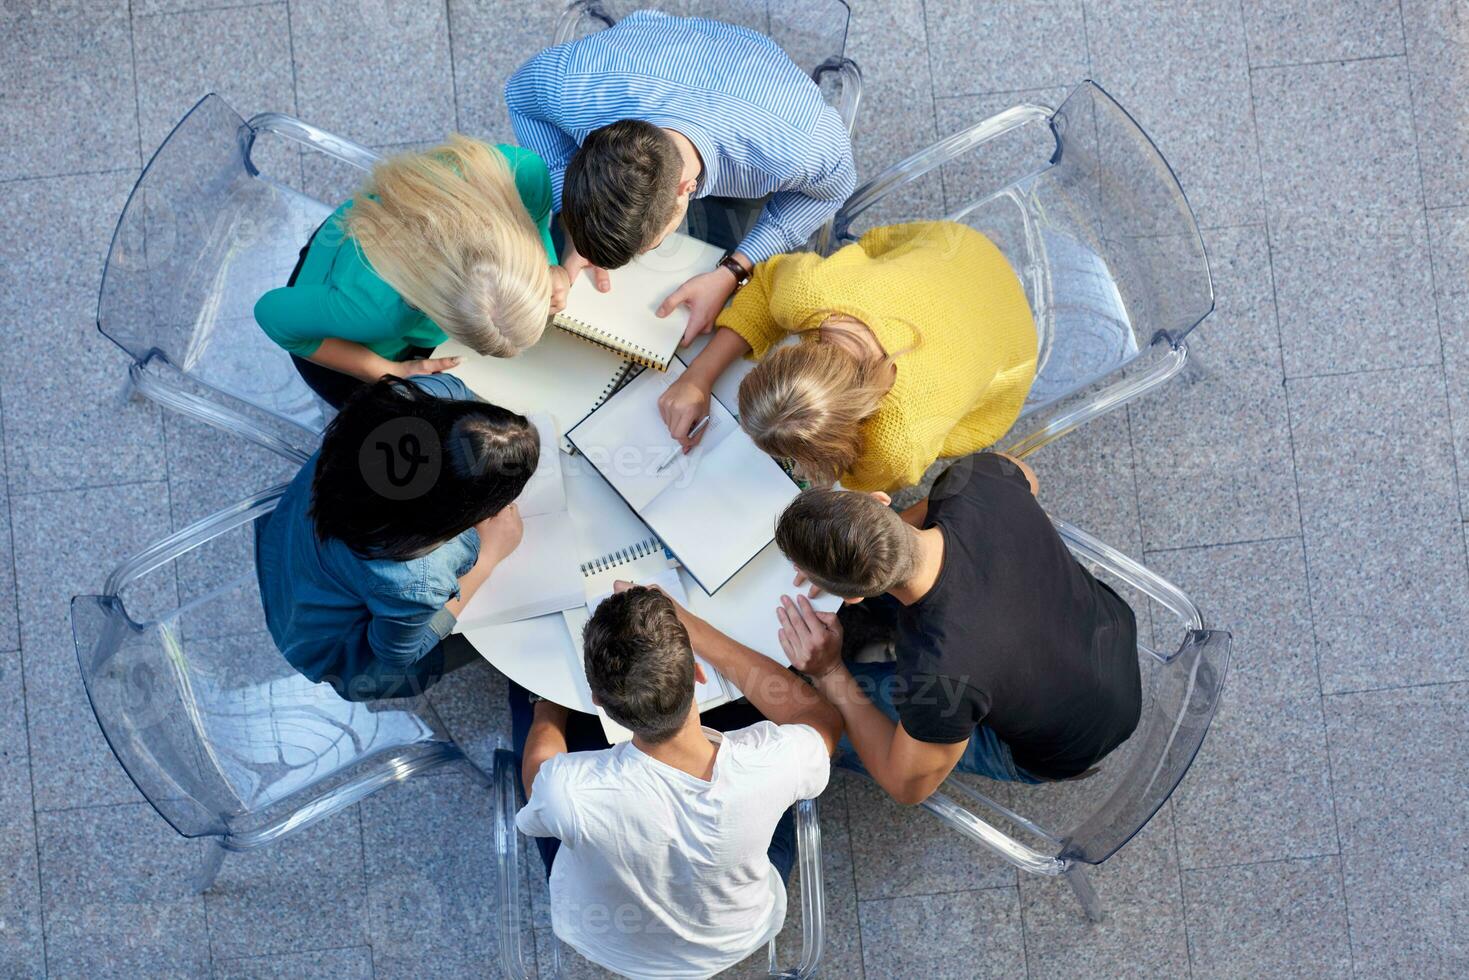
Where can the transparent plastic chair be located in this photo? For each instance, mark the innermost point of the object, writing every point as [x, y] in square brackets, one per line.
[1091, 819]
[1093, 220]
[204, 234]
[213, 726]
[519, 957]
[813, 33]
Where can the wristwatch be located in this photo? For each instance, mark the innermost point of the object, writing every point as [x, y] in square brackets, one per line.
[738, 271]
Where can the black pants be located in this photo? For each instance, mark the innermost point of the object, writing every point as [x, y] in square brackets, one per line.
[334, 387]
[584, 733]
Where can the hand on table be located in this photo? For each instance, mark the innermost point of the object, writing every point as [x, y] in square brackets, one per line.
[704, 295]
[683, 406]
[811, 639]
[575, 265]
[500, 535]
[425, 365]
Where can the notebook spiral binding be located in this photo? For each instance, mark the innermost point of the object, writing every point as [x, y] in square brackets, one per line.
[622, 556]
[587, 332]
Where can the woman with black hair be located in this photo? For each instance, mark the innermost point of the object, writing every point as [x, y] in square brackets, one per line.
[387, 532]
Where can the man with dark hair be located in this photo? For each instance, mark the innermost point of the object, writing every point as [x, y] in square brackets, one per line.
[1012, 660]
[637, 120]
[668, 854]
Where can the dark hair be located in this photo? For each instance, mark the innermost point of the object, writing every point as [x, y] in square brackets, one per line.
[619, 190]
[846, 542]
[639, 663]
[401, 472]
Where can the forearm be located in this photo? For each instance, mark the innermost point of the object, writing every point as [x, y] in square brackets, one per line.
[870, 731]
[547, 739]
[779, 695]
[471, 580]
[352, 358]
[724, 348]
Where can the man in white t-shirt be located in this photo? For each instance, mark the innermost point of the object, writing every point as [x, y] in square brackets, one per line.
[668, 844]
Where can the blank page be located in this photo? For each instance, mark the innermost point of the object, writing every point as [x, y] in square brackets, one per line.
[540, 576]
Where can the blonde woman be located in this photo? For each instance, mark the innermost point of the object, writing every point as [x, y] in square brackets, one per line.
[916, 342]
[453, 242]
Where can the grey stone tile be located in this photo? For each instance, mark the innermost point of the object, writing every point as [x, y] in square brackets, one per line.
[374, 72]
[896, 118]
[54, 235]
[1182, 72]
[243, 54]
[67, 73]
[304, 891]
[9, 624]
[1282, 919]
[118, 895]
[22, 944]
[1004, 47]
[1260, 788]
[429, 846]
[1384, 543]
[1355, 294]
[1087, 477]
[1213, 444]
[1006, 159]
[1284, 32]
[1405, 907]
[1337, 139]
[1258, 592]
[61, 550]
[472, 702]
[903, 851]
[492, 38]
[1141, 933]
[67, 423]
[341, 963]
[1438, 57]
[1449, 234]
[332, 181]
[966, 934]
[1398, 767]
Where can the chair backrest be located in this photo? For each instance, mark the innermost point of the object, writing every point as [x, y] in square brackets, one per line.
[215, 728]
[1088, 213]
[812, 32]
[202, 237]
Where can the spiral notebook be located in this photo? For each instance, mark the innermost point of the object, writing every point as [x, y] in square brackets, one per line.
[559, 375]
[624, 319]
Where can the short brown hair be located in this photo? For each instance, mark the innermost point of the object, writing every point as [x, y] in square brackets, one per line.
[619, 191]
[640, 665]
[846, 542]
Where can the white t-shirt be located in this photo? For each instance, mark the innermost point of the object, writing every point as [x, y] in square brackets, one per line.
[661, 874]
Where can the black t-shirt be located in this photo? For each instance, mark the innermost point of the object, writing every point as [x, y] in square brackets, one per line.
[1015, 634]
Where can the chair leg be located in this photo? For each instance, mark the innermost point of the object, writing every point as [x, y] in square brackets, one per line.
[1081, 887]
[209, 866]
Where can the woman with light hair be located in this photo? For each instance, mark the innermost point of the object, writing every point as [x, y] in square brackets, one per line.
[916, 343]
[453, 242]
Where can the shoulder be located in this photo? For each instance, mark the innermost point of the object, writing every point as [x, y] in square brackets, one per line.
[777, 742]
[981, 477]
[442, 386]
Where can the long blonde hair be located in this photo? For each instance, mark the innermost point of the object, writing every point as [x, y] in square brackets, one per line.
[807, 402]
[448, 231]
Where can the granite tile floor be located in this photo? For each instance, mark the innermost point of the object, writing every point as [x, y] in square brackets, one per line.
[1323, 830]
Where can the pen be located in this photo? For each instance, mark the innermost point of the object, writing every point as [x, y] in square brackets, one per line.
[667, 460]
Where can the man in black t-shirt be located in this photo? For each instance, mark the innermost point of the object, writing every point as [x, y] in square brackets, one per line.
[1012, 660]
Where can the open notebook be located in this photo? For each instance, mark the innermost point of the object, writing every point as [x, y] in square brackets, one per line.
[541, 575]
[559, 375]
[715, 508]
[624, 319]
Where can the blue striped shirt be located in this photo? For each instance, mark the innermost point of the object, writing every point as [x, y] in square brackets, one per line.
[758, 122]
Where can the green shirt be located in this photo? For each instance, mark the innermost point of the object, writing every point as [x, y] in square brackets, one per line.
[338, 295]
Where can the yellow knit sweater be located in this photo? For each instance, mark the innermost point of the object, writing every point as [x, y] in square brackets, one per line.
[961, 382]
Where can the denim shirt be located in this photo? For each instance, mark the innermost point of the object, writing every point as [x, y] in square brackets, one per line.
[334, 614]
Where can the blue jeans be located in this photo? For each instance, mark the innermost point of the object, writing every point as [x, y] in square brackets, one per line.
[986, 754]
[584, 733]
